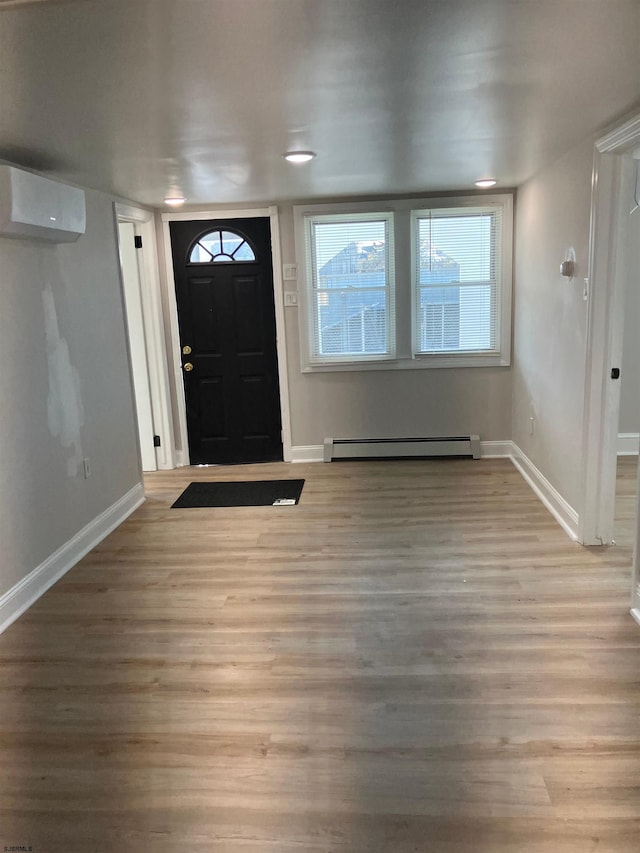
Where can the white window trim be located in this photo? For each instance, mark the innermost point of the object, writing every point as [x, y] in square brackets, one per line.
[404, 264]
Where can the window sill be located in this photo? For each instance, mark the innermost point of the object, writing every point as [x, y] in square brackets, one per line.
[422, 362]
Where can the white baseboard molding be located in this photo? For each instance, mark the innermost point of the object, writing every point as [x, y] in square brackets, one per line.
[635, 601]
[564, 513]
[182, 459]
[307, 453]
[628, 443]
[27, 591]
[496, 449]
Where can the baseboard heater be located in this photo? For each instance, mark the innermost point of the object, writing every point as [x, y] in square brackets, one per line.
[379, 448]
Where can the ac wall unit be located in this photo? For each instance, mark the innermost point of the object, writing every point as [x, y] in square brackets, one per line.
[35, 207]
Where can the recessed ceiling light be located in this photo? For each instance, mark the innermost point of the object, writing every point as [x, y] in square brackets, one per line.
[174, 200]
[486, 183]
[299, 156]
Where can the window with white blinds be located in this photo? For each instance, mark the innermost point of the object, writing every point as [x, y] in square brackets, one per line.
[456, 280]
[351, 310]
[422, 283]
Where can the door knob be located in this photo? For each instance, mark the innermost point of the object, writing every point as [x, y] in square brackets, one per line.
[188, 367]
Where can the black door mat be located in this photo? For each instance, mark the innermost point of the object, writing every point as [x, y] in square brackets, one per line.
[249, 493]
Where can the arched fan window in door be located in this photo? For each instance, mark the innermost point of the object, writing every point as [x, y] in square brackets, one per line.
[221, 246]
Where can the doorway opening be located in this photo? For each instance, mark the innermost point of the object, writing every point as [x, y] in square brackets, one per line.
[612, 271]
[629, 409]
[147, 351]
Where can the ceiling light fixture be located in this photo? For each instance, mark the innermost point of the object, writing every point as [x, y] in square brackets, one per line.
[299, 156]
[174, 200]
[485, 183]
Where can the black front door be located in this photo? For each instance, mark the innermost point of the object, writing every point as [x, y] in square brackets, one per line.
[226, 314]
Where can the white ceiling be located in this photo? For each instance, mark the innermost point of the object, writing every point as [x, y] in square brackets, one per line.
[143, 96]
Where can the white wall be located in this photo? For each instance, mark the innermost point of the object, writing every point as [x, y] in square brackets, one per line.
[630, 388]
[552, 214]
[65, 391]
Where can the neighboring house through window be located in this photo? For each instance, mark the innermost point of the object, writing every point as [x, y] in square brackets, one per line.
[457, 278]
[351, 283]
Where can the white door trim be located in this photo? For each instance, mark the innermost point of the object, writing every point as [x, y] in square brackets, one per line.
[144, 222]
[271, 213]
[598, 488]
[604, 342]
[137, 349]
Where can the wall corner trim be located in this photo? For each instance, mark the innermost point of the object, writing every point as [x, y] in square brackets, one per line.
[628, 443]
[496, 449]
[28, 590]
[564, 513]
[307, 453]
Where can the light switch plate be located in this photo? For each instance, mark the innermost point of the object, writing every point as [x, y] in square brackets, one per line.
[289, 272]
[290, 298]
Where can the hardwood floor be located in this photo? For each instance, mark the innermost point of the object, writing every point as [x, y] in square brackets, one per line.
[415, 658]
[626, 496]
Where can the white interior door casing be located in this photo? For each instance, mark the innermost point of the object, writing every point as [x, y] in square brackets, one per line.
[155, 351]
[137, 344]
[182, 455]
[608, 271]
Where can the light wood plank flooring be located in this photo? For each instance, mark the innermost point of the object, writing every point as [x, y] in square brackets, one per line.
[626, 496]
[415, 658]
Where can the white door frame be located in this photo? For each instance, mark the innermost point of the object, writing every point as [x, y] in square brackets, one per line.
[144, 225]
[607, 284]
[137, 349]
[271, 213]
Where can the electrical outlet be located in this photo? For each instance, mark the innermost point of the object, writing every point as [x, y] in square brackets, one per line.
[86, 467]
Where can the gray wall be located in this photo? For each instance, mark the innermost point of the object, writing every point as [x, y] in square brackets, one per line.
[65, 391]
[550, 316]
[380, 403]
[630, 388]
[386, 403]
